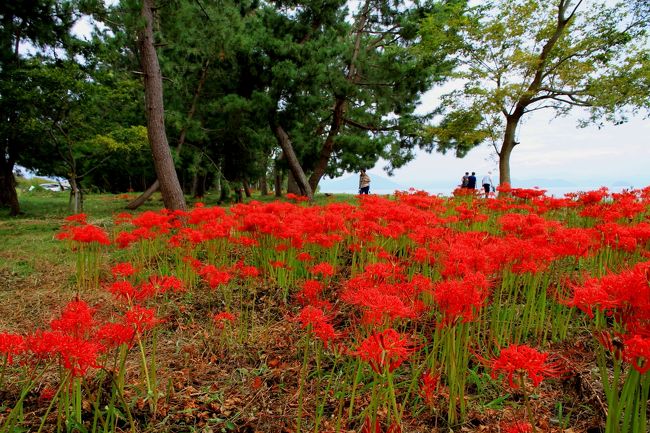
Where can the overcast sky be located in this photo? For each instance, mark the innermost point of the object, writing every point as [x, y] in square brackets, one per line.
[550, 148]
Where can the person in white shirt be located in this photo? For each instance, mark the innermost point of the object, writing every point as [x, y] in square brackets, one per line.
[487, 184]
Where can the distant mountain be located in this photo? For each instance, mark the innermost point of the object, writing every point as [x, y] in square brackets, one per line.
[350, 184]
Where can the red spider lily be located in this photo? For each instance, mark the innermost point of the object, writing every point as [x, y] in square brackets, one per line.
[79, 218]
[637, 352]
[310, 294]
[47, 393]
[212, 275]
[625, 295]
[75, 354]
[461, 299]
[324, 269]
[220, 319]
[76, 319]
[319, 322]
[123, 269]
[517, 427]
[304, 257]
[246, 271]
[86, 234]
[385, 350]
[150, 220]
[78, 355]
[115, 334]
[141, 319]
[430, 382]
[517, 360]
[166, 283]
[122, 218]
[369, 428]
[124, 239]
[297, 198]
[11, 345]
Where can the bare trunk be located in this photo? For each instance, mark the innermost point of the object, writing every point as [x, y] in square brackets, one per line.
[75, 204]
[506, 149]
[247, 188]
[278, 182]
[170, 187]
[144, 196]
[8, 195]
[292, 185]
[292, 160]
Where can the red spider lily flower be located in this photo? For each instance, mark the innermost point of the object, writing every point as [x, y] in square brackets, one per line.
[47, 393]
[122, 218]
[388, 349]
[296, 198]
[214, 276]
[123, 269]
[124, 239]
[637, 352]
[522, 359]
[245, 241]
[141, 319]
[304, 257]
[79, 218]
[11, 345]
[150, 220]
[78, 355]
[369, 428]
[430, 382]
[115, 334]
[461, 299]
[319, 322]
[43, 344]
[311, 290]
[165, 283]
[246, 271]
[220, 319]
[76, 319]
[517, 427]
[124, 290]
[86, 234]
[278, 264]
[324, 269]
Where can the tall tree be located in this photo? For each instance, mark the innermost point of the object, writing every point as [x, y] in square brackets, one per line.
[522, 56]
[44, 24]
[170, 187]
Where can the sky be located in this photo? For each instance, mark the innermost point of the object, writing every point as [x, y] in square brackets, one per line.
[550, 148]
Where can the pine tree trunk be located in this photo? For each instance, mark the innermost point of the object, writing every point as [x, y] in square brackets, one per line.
[8, 195]
[292, 160]
[170, 187]
[139, 201]
[247, 188]
[292, 185]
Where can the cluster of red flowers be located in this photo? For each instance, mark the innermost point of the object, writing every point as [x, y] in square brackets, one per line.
[519, 361]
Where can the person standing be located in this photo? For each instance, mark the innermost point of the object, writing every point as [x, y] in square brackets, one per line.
[487, 183]
[471, 181]
[464, 180]
[364, 182]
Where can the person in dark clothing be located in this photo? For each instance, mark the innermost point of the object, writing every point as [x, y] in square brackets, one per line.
[464, 180]
[471, 181]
